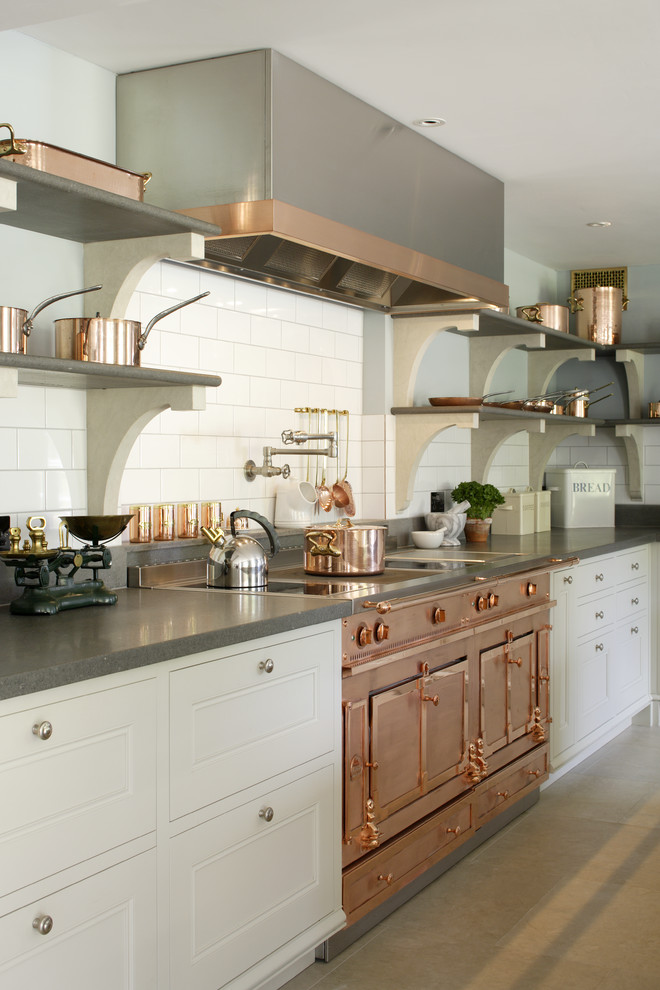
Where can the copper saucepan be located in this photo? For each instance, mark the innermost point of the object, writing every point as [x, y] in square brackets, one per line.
[16, 325]
[344, 549]
[550, 315]
[108, 341]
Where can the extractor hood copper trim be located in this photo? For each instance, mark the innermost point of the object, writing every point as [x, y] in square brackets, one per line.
[273, 217]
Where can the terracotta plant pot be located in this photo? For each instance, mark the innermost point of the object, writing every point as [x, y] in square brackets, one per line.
[477, 530]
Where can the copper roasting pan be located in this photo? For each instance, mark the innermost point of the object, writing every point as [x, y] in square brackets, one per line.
[69, 165]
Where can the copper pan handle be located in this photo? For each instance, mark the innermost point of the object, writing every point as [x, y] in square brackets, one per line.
[576, 303]
[322, 542]
[142, 339]
[27, 326]
[532, 314]
[13, 149]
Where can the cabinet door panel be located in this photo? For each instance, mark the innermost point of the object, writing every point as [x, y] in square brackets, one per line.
[242, 886]
[597, 575]
[89, 787]
[103, 934]
[494, 721]
[235, 722]
[594, 684]
[395, 747]
[445, 724]
[630, 663]
[633, 599]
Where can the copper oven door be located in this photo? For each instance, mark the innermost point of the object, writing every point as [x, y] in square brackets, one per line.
[445, 725]
[395, 747]
[508, 692]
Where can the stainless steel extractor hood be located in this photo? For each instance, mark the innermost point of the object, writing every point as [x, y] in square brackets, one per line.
[313, 188]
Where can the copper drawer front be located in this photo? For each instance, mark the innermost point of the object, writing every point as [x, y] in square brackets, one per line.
[372, 881]
[510, 784]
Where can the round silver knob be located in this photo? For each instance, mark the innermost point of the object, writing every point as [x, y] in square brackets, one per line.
[43, 924]
[635, 566]
[634, 629]
[267, 814]
[267, 665]
[600, 577]
[568, 580]
[600, 615]
[634, 601]
[43, 729]
[600, 647]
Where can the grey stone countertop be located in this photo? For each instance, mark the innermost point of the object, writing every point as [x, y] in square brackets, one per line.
[149, 626]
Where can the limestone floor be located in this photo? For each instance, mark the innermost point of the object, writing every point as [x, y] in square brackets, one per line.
[567, 897]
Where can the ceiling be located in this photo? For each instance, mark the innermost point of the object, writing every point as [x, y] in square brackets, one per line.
[558, 100]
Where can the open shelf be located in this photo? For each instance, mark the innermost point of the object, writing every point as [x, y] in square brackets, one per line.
[51, 372]
[59, 207]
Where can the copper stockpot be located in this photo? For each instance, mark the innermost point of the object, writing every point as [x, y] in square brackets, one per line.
[107, 341]
[342, 549]
[551, 316]
[598, 312]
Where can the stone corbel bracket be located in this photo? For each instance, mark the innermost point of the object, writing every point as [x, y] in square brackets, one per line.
[543, 446]
[542, 366]
[413, 435]
[633, 440]
[118, 416]
[633, 362]
[8, 197]
[119, 265]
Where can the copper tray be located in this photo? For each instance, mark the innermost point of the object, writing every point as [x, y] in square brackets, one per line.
[79, 168]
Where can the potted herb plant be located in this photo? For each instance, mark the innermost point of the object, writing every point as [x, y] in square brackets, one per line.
[483, 499]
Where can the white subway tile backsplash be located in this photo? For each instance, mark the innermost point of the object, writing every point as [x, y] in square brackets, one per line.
[234, 326]
[179, 282]
[160, 451]
[265, 332]
[39, 449]
[151, 281]
[179, 352]
[309, 310]
[265, 392]
[66, 489]
[199, 321]
[217, 421]
[221, 289]
[9, 447]
[251, 297]
[234, 391]
[216, 357]
[216, 484]
[335, 316]
[21, 489]
[281, 304]
[295, 337]
[181, 484]
[66, 409]
[322, 342]
[249, 360]
[250, 422]
[347, 347]
[198, 452]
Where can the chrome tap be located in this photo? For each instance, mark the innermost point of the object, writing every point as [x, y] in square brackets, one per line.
[268, 469]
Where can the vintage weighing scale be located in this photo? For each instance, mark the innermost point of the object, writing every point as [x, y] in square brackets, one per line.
[35, 562]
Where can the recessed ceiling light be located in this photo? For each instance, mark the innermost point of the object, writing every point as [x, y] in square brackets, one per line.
[429, 122]
[600, 223]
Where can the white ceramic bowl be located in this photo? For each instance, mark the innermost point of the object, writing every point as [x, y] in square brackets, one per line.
[428, 539]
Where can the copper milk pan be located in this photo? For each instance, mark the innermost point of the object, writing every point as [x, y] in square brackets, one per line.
[108, 341]
[598, 312]
[16, 324]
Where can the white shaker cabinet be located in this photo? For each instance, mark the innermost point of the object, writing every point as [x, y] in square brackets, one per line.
[176, 827]
[600, 676]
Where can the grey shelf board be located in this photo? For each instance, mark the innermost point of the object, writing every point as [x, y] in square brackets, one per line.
[495, 324]
[632, 422]
[487, 413]
[61, 373]
[59, 207]
[641, 348]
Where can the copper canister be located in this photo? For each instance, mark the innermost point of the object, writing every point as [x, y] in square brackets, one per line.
[211, 515]
[164, 528]
[140, 527]
[187, 520]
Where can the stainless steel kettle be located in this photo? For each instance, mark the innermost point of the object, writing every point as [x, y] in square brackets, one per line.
[240, 562]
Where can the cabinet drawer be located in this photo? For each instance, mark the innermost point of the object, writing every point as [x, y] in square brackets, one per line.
[103, 934]
[594, 575]
[510, 784]
[598, 612]
[241, 886]
[369, 883]
[89, 786]
[632, 599]
[240, 720]
[632, 565]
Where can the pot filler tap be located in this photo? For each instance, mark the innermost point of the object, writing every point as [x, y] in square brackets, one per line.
[268, 469]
